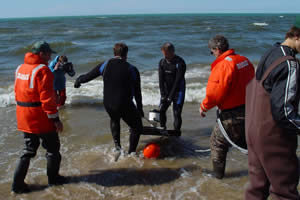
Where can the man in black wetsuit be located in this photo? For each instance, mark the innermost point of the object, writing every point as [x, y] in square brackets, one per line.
[172, 84]
[121, 84]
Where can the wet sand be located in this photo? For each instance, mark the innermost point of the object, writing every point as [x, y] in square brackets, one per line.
[88, 161]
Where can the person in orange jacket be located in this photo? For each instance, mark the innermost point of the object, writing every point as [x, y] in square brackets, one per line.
[226, 89]
[37, 115]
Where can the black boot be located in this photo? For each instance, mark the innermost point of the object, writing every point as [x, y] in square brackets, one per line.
[53, 165]
[57, 180]
[218, 169]
[18, 185]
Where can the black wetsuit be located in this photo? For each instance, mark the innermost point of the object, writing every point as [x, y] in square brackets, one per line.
[121, 84]
[172, 89]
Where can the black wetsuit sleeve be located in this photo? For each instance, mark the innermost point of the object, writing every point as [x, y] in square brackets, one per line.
[94, 73]
[161, 78]
[181, 68]
[137, 90]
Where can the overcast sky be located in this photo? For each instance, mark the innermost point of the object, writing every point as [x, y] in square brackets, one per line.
[38, 8]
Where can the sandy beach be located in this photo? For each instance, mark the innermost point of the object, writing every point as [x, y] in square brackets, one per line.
[88, 161]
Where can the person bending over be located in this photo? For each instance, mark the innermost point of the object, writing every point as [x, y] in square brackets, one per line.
[121, 84]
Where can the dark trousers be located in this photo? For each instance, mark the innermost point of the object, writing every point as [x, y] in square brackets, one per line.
[132, 118]
[273, 166]
[177, 110]
[51, 143]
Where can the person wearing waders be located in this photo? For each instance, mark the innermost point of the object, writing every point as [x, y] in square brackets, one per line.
[121, 84]
[171, 72]
[226, 89]
[273, 122]
[37, 115]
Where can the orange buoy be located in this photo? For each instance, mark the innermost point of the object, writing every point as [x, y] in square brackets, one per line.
[151, 150]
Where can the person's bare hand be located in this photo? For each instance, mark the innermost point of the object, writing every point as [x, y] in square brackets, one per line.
[59, 126]
[202, 112]
[56, 66]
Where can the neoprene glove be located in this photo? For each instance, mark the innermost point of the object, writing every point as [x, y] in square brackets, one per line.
[163, 100]
[77, 83]
[141, 112]
[164, 105]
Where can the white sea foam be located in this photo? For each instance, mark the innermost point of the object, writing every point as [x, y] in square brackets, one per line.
[260, 24]
[184, 173]
[197, 73]
[92, 92]
[92, 188]
[7, 96]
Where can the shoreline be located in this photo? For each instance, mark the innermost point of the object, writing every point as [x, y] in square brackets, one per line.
[88, 160]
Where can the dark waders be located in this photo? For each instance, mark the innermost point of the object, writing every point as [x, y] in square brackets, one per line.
[273, 163]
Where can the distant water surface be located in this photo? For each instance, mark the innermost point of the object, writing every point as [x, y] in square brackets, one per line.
[88, 40]
[86, 142]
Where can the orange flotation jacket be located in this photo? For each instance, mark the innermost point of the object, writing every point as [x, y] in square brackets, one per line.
[226, 86]
[35, 97]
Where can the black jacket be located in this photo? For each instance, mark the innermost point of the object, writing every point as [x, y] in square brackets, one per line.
[283, 84]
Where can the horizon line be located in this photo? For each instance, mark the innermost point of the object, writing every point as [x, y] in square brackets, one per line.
[189, 13]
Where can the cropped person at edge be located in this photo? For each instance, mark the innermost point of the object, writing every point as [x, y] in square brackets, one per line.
[273, 122]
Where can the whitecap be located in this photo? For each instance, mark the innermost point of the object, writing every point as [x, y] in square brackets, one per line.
[92, 92]
[260, 24]
[7, 96]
